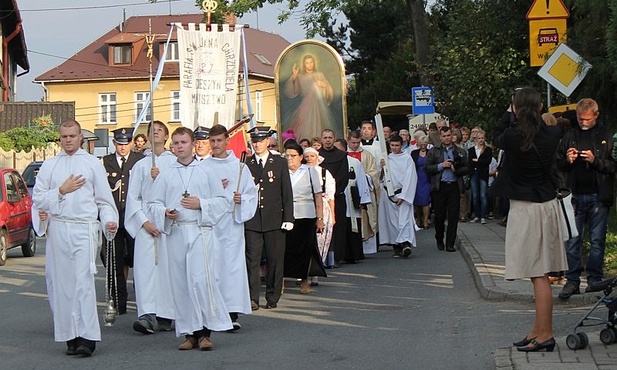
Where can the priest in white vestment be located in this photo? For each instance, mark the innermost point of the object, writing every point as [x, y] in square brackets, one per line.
[396, 219]
[72, 191]
[369, 215]
[150, 268]
[189, 200]
[229, 247]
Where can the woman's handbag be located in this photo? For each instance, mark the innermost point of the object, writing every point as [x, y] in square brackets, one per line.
[567, 218]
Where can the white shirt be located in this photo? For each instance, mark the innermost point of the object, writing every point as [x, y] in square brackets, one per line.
[304, 199]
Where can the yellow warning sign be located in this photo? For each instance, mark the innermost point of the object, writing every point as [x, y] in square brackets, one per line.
[545, 9]
[545, 36]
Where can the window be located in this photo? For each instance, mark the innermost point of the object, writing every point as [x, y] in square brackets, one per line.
[23, 189]
[262, 59]
[11, 189]
[140, 102]
[122, 54]
[173, 53]
[175, 106]
[258, 104]
[107, 108]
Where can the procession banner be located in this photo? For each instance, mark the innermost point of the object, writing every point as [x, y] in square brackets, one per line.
[209, 64]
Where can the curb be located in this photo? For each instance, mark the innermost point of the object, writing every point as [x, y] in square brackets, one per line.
[490, 291]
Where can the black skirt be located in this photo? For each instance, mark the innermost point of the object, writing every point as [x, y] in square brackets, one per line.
[302, 256]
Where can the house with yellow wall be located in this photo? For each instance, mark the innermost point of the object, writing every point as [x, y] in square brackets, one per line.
[109, 80]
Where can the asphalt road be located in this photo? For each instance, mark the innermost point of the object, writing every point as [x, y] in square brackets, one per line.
[383, 313]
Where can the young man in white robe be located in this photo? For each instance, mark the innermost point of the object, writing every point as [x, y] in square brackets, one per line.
[396, 225]
[150, 268]
[229, 248]
[72, 191]
[189, 200]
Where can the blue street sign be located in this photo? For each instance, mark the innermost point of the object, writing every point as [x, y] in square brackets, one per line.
[422, 100]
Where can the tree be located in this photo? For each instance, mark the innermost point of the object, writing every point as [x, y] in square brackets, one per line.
[480, 54]
[592, 33]
[41, 131]
[379, 55]
[317, 13]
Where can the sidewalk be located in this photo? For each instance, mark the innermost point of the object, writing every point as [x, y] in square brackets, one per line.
[482, 247]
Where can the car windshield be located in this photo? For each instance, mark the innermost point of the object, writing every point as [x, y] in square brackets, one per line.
[30, 173]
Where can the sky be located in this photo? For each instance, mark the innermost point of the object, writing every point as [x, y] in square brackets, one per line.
[54, 35]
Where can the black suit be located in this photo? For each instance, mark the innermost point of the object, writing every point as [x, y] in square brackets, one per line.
[124, 244]
[264, 229]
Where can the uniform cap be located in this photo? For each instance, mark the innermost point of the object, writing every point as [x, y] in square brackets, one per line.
[123, 135]
[258, 133]
[202, 133]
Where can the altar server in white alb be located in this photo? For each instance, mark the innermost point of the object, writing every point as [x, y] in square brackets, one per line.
[229, 248]
[155, 305]
[189, 200]
[396, 220]
[72, 190]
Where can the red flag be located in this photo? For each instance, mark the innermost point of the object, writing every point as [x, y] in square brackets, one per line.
[237, 142]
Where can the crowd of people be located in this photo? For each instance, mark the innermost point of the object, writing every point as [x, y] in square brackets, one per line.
[202, 229]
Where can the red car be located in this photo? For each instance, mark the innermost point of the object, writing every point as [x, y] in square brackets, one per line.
[15, 217]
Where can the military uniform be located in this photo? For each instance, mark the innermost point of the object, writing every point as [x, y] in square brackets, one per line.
[118, 178]
[264, 230]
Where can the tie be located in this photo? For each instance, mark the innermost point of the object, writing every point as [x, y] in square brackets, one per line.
[261, 163]
[123, 162]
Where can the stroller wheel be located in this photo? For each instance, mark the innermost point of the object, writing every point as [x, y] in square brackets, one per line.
[607, 336]
[573, 341]
[584, 340]
[614, 331]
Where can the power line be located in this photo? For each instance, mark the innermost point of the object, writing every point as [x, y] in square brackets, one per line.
[93, 7]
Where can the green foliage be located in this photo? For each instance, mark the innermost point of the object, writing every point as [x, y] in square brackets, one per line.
[592, 34]
[41, 131]
[478, 58]
[479, 51]
[610, 255]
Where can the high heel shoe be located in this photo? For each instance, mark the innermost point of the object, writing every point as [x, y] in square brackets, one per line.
[535, 346]
[524, 342]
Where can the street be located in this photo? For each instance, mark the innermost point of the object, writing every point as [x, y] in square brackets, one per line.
[418, 313]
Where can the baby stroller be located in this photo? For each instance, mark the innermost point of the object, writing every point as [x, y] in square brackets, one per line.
[608, 335]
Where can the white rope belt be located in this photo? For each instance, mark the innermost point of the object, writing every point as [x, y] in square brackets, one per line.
[92, 227]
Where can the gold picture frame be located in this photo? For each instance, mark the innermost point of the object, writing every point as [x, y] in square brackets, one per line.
[311, 93]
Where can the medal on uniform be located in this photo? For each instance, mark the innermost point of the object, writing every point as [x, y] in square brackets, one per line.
[270, 176]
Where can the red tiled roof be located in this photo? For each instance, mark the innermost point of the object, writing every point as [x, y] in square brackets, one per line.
[91, 63]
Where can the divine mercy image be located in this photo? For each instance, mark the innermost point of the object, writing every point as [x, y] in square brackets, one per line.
[310, 90]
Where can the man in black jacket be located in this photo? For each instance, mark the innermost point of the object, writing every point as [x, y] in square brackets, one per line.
[585, 156]
[118, 166]
[446, 164]
[274, 216]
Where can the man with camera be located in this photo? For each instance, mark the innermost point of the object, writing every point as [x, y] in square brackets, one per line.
[585, 156]
[446, 164]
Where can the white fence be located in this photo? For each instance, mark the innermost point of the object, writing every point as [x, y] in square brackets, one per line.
[19, 160]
